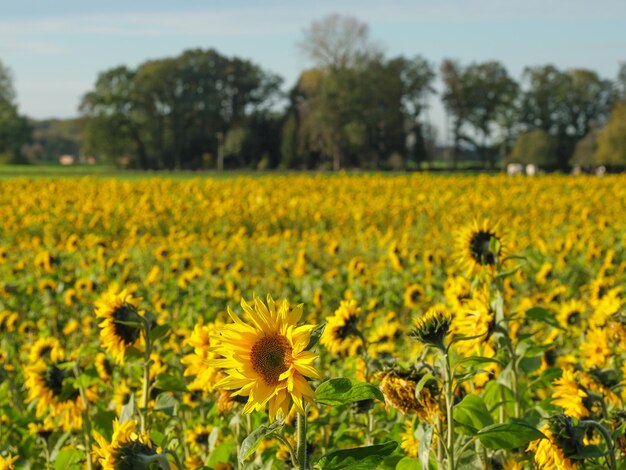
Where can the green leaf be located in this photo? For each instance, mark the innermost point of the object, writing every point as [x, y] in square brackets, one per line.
[316, 334]
[170, 383]
[166, 403]
[157, 437]
[102, 421]
[478, 360]
[68, 459]
[360, 458]
[133, 353]
[425, 438]
[335, 392]
[542, 315]
[508, 435]
[472, 415]
[408, 463]
[420, 385]
[160, 331]
[254, 439]
[221, 453]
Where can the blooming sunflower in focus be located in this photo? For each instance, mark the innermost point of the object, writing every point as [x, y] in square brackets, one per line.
[339, 335]
[474, 245]
[127, 449]
[116, 312]
[569, 395]
[266, 359]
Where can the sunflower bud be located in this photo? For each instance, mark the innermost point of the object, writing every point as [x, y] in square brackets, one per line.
[432, 327]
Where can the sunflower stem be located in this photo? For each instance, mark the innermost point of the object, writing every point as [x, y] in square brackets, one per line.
[607, 438]
[301, 445]
[143, 411]
[86, 420]
[449, 411]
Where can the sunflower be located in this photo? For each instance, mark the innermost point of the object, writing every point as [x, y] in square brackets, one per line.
[552, 451]
[571, 314]
[56, 399]
[476, 319]
[120, 327]
[409, 444]
[127, 449]
[197, 363]
[7, 463]
[45, 349]
[595, 351]
[569, 395]
[339, 335]
[103, 367]
[475, 246]
[432, 327]
[266, 359]
[198, 437]
[399, 391]
[413, 295]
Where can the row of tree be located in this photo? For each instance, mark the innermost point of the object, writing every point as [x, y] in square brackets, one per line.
[353, 108]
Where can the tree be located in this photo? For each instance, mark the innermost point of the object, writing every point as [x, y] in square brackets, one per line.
[15, 131]
[169, 113]
[612, 139]
[478, 97]
[337, 42]
[586, 148]
[534, 147]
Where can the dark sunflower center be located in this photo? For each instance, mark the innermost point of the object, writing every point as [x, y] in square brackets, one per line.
[202, 438]
[573, 318]
[480, 249]
[45, 352]
[347, 329]
[127, 333]
[53, 378]
[415, 295]
[129, 457]
[270, 357]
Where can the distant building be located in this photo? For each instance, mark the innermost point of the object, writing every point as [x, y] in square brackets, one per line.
[67, 160]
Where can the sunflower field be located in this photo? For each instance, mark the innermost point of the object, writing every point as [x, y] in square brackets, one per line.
[313, 321]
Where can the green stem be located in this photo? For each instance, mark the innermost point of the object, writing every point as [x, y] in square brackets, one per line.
[287, 444]
[146, 378]
[449, 414]
[607, 438]
[86, 420]
[301, 446]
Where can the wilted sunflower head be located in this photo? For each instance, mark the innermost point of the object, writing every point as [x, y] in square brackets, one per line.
[432, 327]
[566, 435]
[399, 388]
[480, 246]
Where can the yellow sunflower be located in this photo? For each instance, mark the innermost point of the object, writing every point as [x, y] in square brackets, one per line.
[197, 363]
[569, 395]
[475, 319]
[548, 455]
[571, 314]
[266, 359]
[410, 444]
[7, 463]
[433, 326]
[116, 312]
[413, 295]
[339, 335]
[56, 400]
[127, 448]
[475, 246]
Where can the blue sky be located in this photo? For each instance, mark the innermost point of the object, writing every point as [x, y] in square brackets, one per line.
[56, 49]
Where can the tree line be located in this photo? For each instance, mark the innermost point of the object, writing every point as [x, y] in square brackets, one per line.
[354, 107]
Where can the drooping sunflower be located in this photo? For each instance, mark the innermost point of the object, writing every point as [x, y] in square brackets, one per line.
[340, 333]
[569, 395]
[127, 449]
[266, 359]
[57, 402]
[398, 388]
[553, 451]
[475, 251]
[117, 310]
[433, 326]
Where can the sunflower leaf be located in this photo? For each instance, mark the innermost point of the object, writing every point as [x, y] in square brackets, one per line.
[359, 458]
[254, 439]
[316, 334]
[159, 331]
[508, 435]
[471, 415]
[166, 403]
[128, 410]
[544, 316]
[336, 392]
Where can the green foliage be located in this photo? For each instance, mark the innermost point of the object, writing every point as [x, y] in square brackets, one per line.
[336, 392]
[612, 139]
[508, 435]
[360, 458]
[533, 147]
